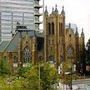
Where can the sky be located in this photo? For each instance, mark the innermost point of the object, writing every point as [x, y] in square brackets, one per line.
[76, 11]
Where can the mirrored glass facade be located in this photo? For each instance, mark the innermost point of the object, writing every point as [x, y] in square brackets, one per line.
[25, 12]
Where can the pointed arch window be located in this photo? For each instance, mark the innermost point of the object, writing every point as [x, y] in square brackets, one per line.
[26, 55]
[60, 28]
[15, 59]
[52, 28]
[49, 28]
[70, 51]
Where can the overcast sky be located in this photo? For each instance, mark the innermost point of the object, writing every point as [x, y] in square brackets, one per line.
[77, 12]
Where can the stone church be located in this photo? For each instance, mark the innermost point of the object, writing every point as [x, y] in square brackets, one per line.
[56, 44]
[25, 47]
[62, 44]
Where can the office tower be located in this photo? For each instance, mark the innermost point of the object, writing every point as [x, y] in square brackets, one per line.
[25, 12]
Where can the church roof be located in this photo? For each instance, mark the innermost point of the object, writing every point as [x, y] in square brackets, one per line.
[12, 45]
[3, 45]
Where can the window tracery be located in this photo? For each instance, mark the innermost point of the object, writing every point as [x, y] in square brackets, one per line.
[26, 55]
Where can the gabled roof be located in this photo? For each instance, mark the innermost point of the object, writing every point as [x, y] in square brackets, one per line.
[12, 46]
[3, 45]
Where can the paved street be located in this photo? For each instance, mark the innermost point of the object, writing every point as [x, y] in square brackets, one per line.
[82, 81]
[82, 84]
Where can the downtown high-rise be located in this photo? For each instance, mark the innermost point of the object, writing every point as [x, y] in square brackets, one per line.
[25, 12]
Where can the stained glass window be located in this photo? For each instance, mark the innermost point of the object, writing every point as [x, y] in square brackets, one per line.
[15, 59]
[26, 55]
[70, 52]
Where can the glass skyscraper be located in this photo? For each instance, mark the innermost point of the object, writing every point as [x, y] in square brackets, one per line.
[25, 12]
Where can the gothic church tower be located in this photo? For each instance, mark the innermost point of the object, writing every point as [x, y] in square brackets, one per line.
[54, 32]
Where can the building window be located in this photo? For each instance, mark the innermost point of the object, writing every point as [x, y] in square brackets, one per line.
[51, 59]
[49, 28]
[40, 58]
[26, 55]
[52, 28]
[15, 59]
[51, 49]
[70, 52]
[70, 35]
[60, 28]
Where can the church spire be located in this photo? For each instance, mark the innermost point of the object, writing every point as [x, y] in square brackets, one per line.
[69, 25]
[63, 12]
[82, 33]
[76, 33]
[46, 11]
[52, 10]
[56, 10]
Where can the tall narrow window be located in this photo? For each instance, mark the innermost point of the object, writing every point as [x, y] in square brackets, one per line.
[60, 28]
[52, 28]
[26, 55]
[15, 59]
[49, 28]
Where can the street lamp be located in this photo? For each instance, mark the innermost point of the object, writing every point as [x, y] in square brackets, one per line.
[73, 69]
[39, 75]
[71, 77]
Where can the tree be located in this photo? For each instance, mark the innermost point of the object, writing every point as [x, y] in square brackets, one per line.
[32, 79]
[48, 77]
[22, 70]
[5, 67]
[68, 73]
[87, 61]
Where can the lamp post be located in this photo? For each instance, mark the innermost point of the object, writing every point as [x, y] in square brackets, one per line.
[71, 78]
[73, 69]
[39, 75]
[59, 70]
[71, 74]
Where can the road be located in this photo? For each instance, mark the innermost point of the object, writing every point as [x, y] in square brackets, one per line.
[82, 84]
[82, 81]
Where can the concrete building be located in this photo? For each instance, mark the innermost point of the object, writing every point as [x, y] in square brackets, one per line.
[25, 12]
